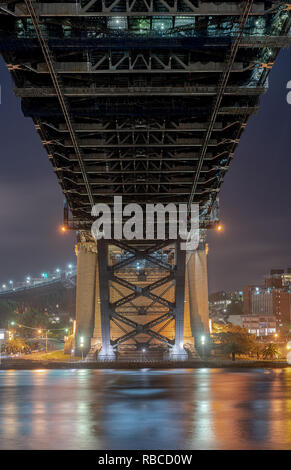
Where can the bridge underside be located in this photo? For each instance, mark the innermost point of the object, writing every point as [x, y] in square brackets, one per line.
[146, 100]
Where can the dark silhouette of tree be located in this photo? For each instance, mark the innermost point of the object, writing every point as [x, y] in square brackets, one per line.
[271, 351]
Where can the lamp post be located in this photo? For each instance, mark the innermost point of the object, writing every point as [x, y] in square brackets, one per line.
[2, 337]
[82, 346]
[203, 344]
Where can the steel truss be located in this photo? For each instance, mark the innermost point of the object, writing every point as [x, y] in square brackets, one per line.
[138, 91]
[111, 61]
[115, 8]
[218, 99]
[139, 297]
[58, 88]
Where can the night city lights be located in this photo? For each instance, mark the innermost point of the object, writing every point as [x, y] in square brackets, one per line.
[145, 274]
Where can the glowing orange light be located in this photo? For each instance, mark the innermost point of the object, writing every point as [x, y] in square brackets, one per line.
[63, 228]
[219, 228]
[39, 331]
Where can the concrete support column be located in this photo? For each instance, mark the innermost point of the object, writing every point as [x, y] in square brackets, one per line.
[105, 312]
[188, 336]
[97, 334]
[85, 294]
[196, 276]
[178, 350]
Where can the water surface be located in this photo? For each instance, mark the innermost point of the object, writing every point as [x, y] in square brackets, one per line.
[145, 409]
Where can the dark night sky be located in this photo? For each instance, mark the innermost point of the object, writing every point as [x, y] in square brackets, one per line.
[255, 197]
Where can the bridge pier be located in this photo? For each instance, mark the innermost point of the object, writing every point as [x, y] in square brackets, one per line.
[196, 285]
[178, 351]
[106, 351]
[102, 314]
[87, 277]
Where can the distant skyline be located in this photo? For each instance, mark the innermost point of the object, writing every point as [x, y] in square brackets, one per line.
[254, 199]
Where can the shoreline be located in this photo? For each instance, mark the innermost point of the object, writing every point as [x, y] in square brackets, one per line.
[15, 364]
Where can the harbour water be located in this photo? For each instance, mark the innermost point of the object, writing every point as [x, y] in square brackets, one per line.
[145, 409]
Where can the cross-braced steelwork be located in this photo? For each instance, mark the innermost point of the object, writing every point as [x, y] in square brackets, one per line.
[141, 281]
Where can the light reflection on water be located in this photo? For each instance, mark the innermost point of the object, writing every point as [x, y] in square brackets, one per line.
[145, 409]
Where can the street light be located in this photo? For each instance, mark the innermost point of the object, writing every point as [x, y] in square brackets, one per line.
[82, 346]
[203, 344]
[2, 337]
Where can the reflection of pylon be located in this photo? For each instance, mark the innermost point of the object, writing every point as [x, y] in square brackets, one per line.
[288, 7]
[268, 65]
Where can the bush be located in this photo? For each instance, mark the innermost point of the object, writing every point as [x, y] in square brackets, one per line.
[15, 346]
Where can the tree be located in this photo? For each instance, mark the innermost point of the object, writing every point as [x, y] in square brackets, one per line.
[15, 346]
[7, 312]
[234, 348]
[257, 349]
[34, 319]
[271, 351]
[233, 339]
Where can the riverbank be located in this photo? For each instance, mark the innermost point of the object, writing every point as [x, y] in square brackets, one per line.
[20, 364]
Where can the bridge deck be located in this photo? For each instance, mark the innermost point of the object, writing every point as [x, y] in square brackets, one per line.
[147, 100]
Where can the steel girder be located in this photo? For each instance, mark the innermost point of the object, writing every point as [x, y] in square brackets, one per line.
[138, 91]
[129, 61]
[116, 8]
[58, 88]
[221, 90]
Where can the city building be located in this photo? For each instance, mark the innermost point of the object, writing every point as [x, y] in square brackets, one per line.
[218, 303]
[272, 299]
[3, 335]
[259, 325]
[224, 304]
